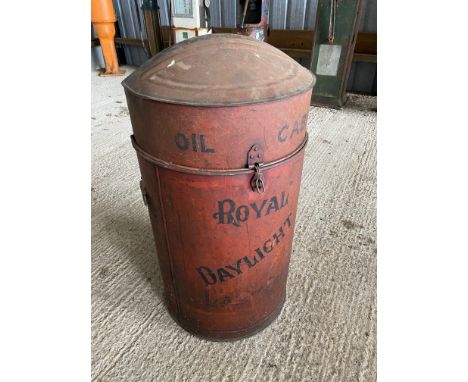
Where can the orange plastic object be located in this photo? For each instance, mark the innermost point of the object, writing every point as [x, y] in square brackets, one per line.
[103, 19]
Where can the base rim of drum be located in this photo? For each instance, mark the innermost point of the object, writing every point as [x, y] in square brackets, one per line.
[234, 335]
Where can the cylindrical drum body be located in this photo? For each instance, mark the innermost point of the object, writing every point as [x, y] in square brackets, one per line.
[220, 126]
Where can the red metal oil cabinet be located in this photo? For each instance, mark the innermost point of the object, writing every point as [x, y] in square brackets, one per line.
[220, 126]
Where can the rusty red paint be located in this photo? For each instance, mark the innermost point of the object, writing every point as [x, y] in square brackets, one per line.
[223, 247]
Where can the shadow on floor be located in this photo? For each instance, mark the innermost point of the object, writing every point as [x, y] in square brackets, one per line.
[132, 234]
[360, 103]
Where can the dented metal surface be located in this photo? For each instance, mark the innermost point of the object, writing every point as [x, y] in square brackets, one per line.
[223, 236]
[209, 71]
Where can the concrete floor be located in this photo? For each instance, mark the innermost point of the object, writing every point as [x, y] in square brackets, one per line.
[327, 329]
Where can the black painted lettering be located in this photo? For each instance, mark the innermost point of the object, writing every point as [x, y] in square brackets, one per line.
[181, 141]
[228, 272]
[295, 129]
[207, 275]
[257, 210]
[203, 148]
[288, 221]
[283, 200]
[260, 254]
[268, 246]
[223, 215]
[281, 137]
[273, 205]
[245, 213]
[229, 213]
[222, 274]
[249, 263]
[281, 234]
[194, 142]
[237, 268]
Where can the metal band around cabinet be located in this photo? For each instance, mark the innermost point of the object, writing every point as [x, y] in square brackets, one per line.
[215, 172]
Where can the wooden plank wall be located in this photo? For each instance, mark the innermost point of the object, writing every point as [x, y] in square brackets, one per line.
[298, 43]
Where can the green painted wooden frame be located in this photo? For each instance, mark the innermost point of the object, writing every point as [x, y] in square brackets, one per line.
[331, 90]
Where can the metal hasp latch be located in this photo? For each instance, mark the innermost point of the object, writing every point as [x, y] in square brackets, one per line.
[255, 160]
[144, 195]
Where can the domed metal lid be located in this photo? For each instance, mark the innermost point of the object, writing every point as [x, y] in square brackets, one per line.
[219, 70]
